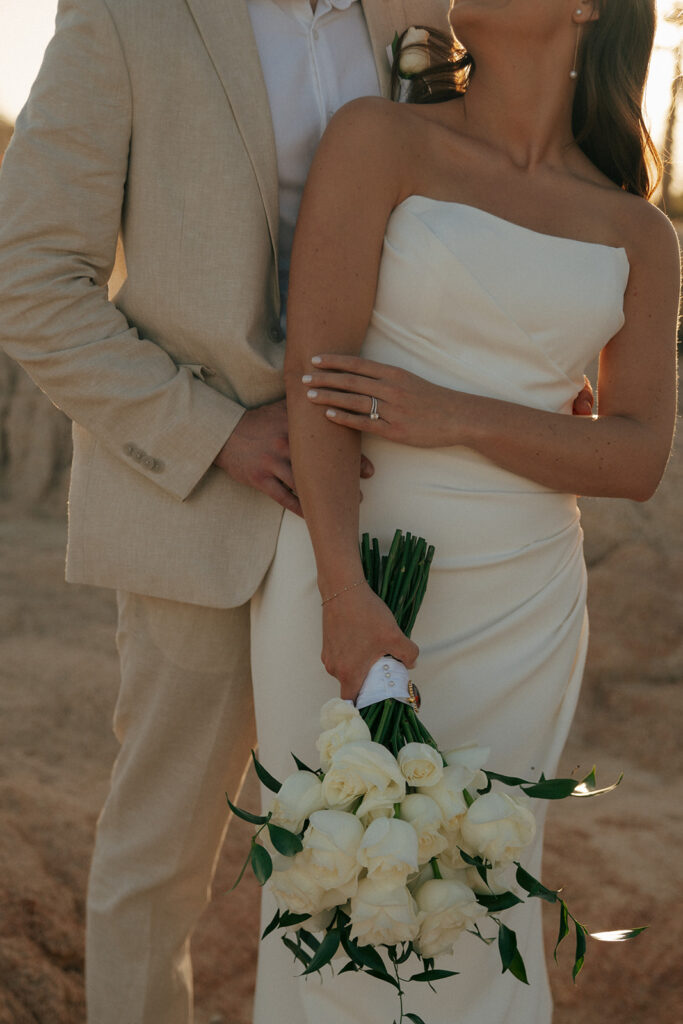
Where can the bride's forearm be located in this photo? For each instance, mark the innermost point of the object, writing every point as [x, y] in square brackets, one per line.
[326, 464]
[603, 456]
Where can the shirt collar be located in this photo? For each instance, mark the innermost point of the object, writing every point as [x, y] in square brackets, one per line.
[302, 8]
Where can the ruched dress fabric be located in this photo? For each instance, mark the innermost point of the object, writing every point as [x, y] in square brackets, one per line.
[478, 304]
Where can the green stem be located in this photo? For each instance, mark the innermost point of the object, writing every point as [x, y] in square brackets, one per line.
[378, 735]
[435, 868]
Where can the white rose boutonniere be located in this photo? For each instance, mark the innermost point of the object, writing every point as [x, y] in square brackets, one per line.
[413, 58]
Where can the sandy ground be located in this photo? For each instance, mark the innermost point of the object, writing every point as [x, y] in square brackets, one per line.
[618, 858]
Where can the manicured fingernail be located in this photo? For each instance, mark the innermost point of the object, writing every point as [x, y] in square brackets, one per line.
[306, 379]
[317, 359]
[331, 413]
[312, 394]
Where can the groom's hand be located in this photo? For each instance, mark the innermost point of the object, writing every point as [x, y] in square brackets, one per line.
[583, 403]
[257, 454]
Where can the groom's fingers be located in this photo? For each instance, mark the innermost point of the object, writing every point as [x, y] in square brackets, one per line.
[366, 468]
[276, 490]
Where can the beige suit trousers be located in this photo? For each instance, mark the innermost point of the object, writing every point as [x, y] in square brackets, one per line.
[185, 722]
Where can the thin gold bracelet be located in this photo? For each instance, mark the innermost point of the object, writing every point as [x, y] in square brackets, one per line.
[351, 586]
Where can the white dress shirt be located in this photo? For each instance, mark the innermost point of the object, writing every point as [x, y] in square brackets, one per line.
[313, 63]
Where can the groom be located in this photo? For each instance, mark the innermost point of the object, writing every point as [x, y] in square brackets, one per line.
[189, 125]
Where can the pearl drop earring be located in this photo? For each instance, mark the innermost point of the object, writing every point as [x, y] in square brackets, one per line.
[573, 74]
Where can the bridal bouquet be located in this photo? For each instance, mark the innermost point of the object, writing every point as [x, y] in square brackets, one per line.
[392, 848]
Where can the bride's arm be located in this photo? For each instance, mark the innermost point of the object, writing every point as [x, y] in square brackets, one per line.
[335, 263]
[620, 453]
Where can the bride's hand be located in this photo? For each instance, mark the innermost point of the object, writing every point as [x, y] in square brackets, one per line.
[358, 630]
[409, 409]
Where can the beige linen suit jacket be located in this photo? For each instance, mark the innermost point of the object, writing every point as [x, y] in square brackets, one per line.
[150, 117]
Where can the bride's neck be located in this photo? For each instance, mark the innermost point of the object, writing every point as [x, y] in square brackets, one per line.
[523, 106]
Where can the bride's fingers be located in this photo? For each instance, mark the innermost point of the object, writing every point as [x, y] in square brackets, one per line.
[352, 382]
[359, 421]
[347, 400]
[352, 364]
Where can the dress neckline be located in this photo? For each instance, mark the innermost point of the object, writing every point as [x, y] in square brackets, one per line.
[510, 223]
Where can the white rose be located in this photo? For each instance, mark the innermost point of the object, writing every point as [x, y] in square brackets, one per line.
[347, 731]
[295, 889]
[336, 711]
[300, 794]
[366, 769]
[424, 814]
[497, 827]
[414, 61]
[389, 849]
[446, 908]
[447, 793]
[382, 913]
[316, 923]
[330, 850]
[420, 764]
[472, 759]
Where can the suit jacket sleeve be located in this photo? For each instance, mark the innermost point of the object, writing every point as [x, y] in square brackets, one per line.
[61, 193]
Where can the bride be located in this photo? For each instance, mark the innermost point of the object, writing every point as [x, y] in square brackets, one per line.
[456, 266]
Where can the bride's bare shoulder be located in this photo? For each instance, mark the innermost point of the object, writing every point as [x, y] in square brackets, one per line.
[369, 140]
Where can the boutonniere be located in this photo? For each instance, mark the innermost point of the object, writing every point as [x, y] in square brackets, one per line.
[414, 55]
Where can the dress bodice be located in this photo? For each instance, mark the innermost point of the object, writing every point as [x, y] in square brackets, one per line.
[487, 306]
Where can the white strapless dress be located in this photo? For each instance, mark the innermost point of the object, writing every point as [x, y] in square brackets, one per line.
[482, 305]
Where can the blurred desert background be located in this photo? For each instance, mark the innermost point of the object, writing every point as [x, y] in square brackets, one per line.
[617, 857]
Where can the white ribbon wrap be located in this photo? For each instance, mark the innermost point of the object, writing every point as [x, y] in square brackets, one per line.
[387, 678]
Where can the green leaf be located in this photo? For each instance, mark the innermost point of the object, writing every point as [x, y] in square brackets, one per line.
[326, 950]
[433, 975]
[383, 976]
[618, 936]
[266, 778]
[517, 968]
[495, 902]
[394, 44]
[254, 819]
[288, 919]
[564, 927]
[348, 966]
[261, 864]
[303, 767]
[284, 841]
[272, 926]
[510, 955]
[533, 887]
[507, 945]
[415, 1019]
[364, 956]
[580, 949]
[239, 877]
[476, 862]
[298, 952]
[479, 935]
[551, 789]
[589, 786]
[308, 940]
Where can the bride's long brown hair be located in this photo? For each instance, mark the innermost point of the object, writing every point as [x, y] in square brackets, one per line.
[607, 116]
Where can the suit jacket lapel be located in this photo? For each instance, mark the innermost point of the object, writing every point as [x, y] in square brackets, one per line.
[381, 22]
[225, 28]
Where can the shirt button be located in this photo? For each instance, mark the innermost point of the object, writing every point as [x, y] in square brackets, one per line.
[148, 462]
[138, 454]
[129, 449]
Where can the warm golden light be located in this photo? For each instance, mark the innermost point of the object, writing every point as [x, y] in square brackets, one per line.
[25, 29]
